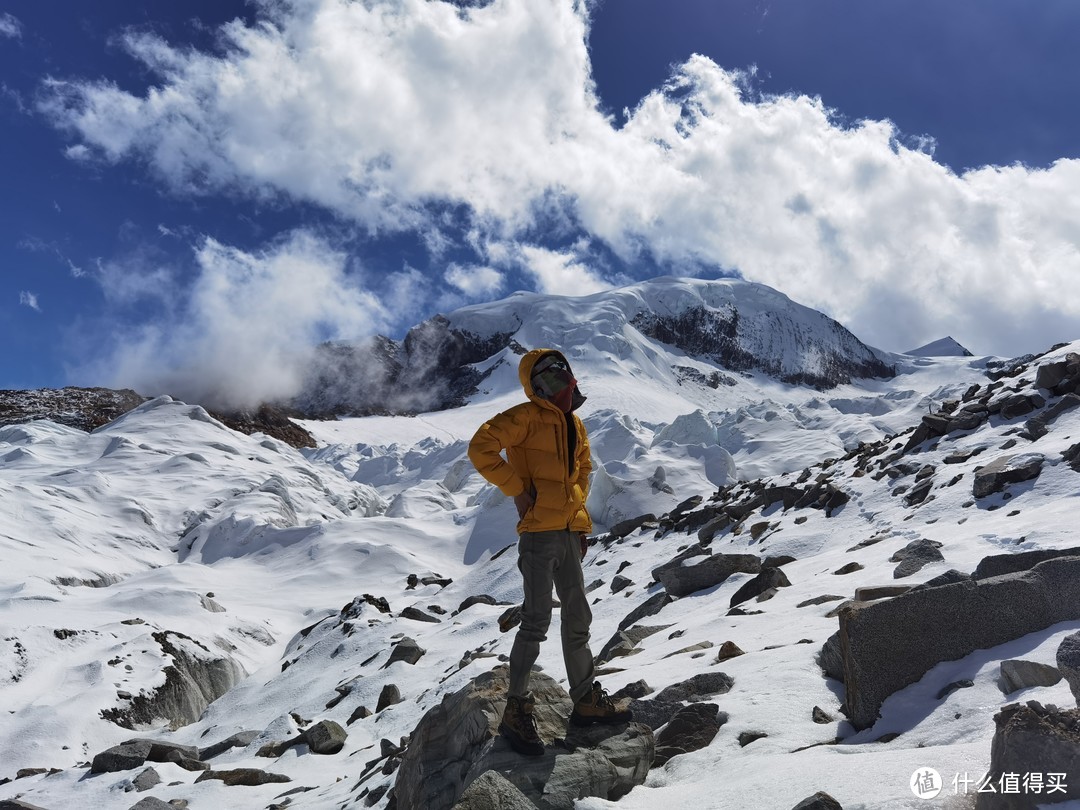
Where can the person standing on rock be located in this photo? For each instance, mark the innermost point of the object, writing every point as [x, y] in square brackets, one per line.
[546, 472]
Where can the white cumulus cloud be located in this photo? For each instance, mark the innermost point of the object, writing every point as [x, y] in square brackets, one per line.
[475, 281]
[388, 112]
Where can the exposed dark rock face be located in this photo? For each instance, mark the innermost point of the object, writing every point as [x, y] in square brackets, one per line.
[269, 419]
[82, 408]
[739, 343]
[1033, 739]
[196, 678]
[431, 369]
[914, 556]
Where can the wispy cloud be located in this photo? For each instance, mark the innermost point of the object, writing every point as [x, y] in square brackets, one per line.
[10, 26]
[475, 281]
[243, 332]
[389, 113]
[29, 299]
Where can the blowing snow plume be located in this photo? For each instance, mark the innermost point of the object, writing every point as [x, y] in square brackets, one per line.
[245, 330]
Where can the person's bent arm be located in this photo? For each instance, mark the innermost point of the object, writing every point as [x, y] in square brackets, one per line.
[485, 452]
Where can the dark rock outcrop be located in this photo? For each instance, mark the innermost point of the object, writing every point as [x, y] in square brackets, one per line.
[82, 408]
[1068, 663]
[691, 728]
[696, 569]
[1033, 739]
[725, 335]
[457, 742]
[243, 776]
[914, 556]
[1001, 472]
[769, 579]
[819, 801]
[195, 679]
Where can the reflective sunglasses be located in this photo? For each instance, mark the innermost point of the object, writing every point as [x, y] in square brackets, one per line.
[551, 375]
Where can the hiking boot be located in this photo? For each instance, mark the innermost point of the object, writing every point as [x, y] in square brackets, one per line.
[598, 707]
[519, 727]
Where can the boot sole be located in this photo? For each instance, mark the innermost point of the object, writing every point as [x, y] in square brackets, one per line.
[520, 746]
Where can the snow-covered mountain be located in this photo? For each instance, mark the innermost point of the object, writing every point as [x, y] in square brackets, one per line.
[723, 326]
[166, 572]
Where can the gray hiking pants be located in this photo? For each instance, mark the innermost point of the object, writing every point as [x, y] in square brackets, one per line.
[546, 558]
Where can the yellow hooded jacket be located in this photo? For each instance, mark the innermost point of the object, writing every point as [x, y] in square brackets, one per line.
[533, 434]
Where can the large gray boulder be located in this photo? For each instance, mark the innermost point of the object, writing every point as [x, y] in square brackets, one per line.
[1001, 472]
[1068, 663]
[325, 737]
[914, 556]
[457, 742]
[121, 757]
[997, 564]
[1019, 674]
[1032, 739]
[693, 571]
[768, 579]
[889, 644]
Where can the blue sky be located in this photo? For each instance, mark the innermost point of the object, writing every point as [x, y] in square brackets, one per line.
[195, 191]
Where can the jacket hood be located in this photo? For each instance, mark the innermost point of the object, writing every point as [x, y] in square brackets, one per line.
[526, 365]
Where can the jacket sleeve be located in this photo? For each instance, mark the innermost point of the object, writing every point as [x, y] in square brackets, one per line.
[505, 430]
[584, 455]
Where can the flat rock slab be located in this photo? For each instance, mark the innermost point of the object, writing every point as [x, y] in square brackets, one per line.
[1001, 472]
[1019, 674]
[691, 572]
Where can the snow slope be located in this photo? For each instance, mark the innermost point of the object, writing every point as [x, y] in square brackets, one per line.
[142, 519]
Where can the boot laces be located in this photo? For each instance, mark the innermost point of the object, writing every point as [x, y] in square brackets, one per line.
[528, 720]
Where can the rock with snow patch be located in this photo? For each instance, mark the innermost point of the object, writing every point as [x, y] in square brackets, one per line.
[416, 614]
[623, 642]
[196, 678]
[479, 599]
[240, 739]
[619, 583]
[1002, 472]
[147, 779]
[1019, 674]
[121, 757]
[995, 565]
[819, 801]
[243, 776]
[693, 571]
[389, 696]
[769, 578]
[914, 556]
[627, 527]
[891, 643]
[1068, 663]
[1030, 739]
[152, 803]
[493, 791]
[457, 741]
[699, 687]
[325, 737]
[691, 728]
[650, 607]
[406, 650]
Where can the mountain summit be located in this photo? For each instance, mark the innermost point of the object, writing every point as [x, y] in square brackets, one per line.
[715, 327]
